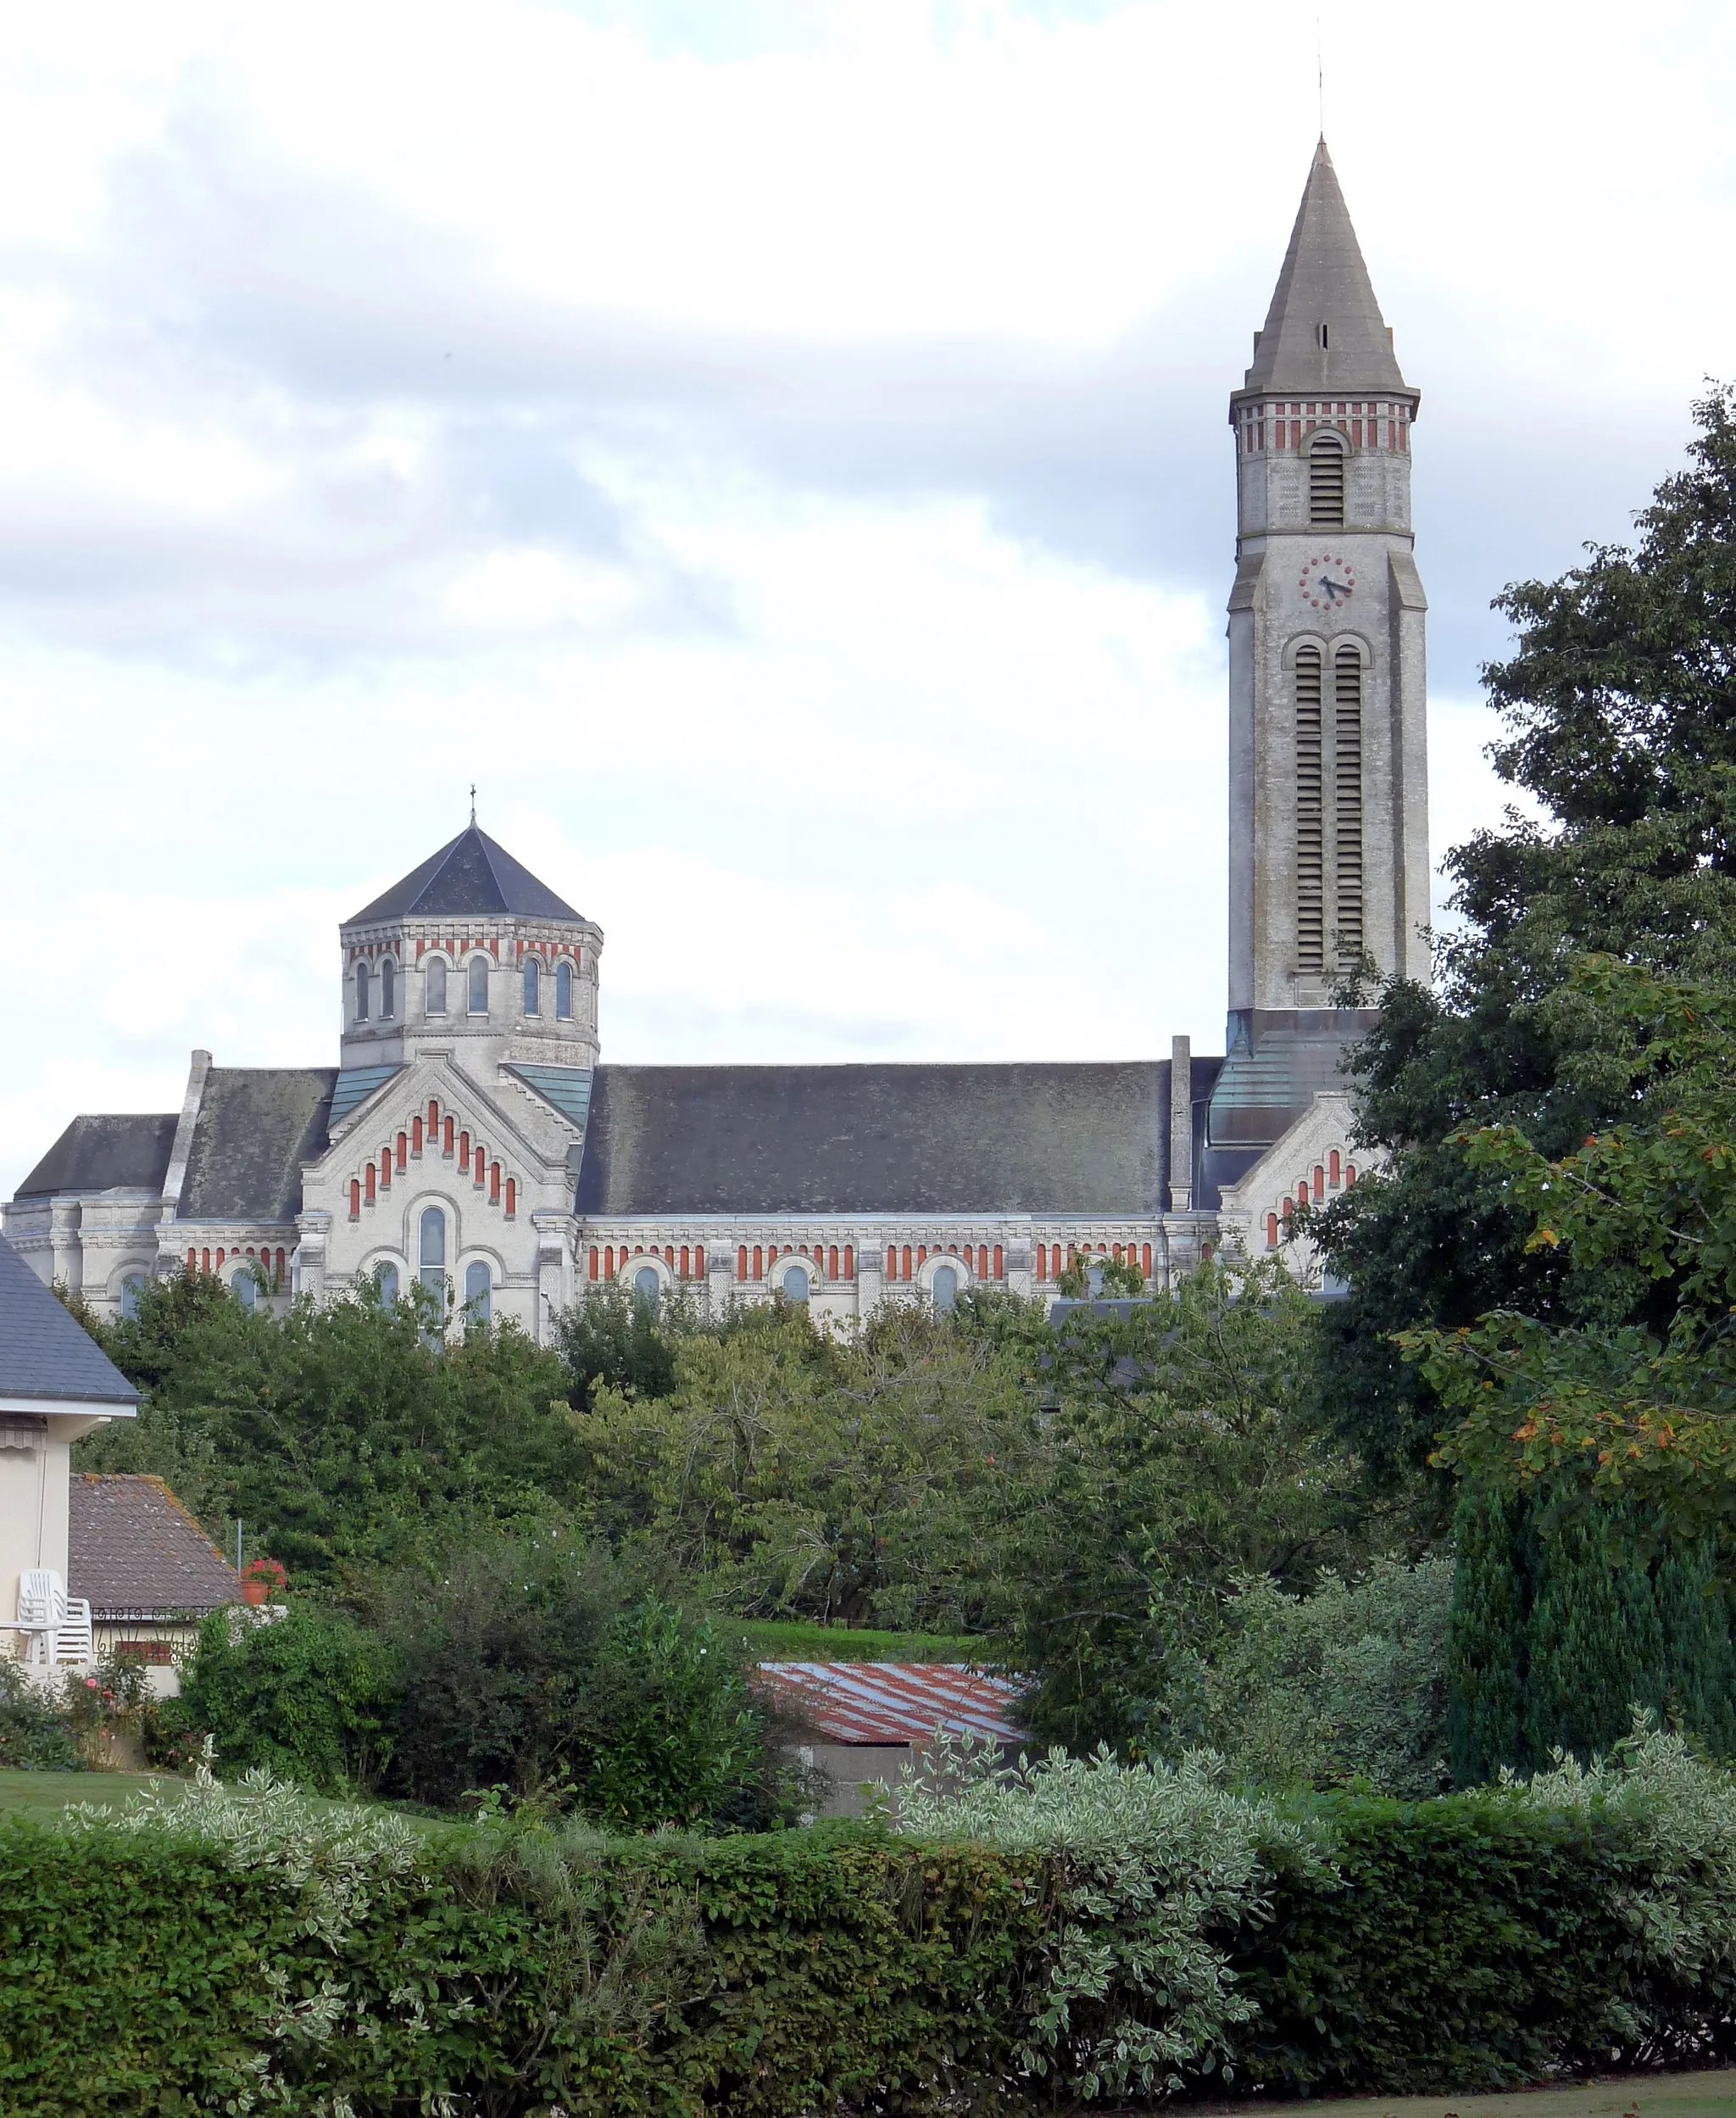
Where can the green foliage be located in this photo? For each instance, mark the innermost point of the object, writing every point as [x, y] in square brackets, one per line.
[547, 1670]
[619, 1339]
[310, 1697]
[1564, 1620]
[1615, 706]
[1179, 1457]
[34, 1735]
[1154, 1872]
[247, 1949]
[1347, 1685]
[345, 1439]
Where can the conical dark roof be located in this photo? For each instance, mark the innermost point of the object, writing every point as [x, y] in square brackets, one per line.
[1324, 281]
[470, 875]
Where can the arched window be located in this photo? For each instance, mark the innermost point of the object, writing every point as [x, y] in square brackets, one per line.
[479, 985]
[1326, 482]
[1310, 852]
[563, 992]
[479, 1291]
[533, 986]
[431, 1254]
[1347, 798]
[130, 1288]
[435, 1002]
[362, 982]
[647, 1286]
[244, 1287]
[795, 1283]
[388, 990]
[944, 1288]
[386, 1285]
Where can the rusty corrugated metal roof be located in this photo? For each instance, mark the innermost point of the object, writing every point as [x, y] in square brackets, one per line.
[898, 1702]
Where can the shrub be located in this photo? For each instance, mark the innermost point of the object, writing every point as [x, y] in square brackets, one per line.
[34, 1737]
[1345, 1685]
[543, 1669]
[310, 1696]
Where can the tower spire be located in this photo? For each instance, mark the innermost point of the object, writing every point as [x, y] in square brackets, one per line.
[1324, 330]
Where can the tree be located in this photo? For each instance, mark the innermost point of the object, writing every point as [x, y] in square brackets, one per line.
[345, 1437]
[1619, 705]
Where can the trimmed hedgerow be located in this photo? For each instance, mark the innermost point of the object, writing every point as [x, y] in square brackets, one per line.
[249, 1950]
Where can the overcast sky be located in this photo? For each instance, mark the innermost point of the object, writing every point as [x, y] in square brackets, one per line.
[778, 450]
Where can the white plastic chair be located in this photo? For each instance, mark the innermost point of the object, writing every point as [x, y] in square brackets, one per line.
[60, 1629]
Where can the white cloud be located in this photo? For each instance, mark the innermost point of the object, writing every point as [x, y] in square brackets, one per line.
[778, 451]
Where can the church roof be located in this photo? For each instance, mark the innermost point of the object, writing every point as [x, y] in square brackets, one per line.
[470, 875]
[1324, 283]
[256, 1127]
[105, 1151]
[878, 1138]
[45, 1352]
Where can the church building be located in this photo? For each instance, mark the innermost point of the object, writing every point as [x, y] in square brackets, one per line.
[472, 1139]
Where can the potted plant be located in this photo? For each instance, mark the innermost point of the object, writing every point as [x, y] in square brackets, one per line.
[262, 1582]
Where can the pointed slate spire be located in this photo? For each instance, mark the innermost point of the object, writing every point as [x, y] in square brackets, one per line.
[1323, 293]
[469, 876]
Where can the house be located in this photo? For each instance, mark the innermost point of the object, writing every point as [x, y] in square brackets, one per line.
[56, 1383]
[870, 1719]
[147, 1571]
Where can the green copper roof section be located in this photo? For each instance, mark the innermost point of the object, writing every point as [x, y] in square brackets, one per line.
[355, 1085]
[567, 1088]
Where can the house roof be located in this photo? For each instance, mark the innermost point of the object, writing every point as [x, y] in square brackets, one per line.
[256, 1127]
[468, 875]
[135, 1551]
[1009, 1138]
[1324, 280]
[105, 1152]
[45, 1352]
[897, 1701]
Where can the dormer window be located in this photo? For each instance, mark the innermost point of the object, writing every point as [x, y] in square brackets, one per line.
[388, 990]
[479, 985]
[533, 986]
[435, 1002]
[363, 983]
[563, 992]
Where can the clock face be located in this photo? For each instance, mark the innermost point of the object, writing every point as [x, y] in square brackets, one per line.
[1328, 580]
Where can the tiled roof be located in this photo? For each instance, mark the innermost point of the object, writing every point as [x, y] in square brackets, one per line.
[256, 1127]
[1007, 1139]
[898, 1702]
[106, 1151]
[46, 1353]
[470, 874]
[135, 1551]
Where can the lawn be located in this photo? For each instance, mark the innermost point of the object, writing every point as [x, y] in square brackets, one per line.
[775, 1640]
[1710, 2094]
[43, 1793]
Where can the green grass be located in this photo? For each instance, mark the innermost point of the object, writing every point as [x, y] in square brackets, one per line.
[776, 1639]
[1709, 2094]
[46, 1793]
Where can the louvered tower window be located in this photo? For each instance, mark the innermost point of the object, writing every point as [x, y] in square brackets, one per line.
[1310, 878]
[1326, 483]
[1347, 798]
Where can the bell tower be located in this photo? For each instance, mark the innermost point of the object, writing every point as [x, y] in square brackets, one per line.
[1328, 756]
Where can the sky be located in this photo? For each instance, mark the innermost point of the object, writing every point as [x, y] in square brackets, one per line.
[777, 450]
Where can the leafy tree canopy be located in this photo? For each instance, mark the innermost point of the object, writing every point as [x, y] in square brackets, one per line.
[1619, 712]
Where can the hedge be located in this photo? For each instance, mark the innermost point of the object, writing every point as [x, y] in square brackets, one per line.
[1472, 1941]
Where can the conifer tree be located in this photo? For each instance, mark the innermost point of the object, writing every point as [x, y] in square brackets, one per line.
[1486, 1635]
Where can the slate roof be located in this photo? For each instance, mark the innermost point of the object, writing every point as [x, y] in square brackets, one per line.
[105, 1153]
[45, 1351]
[1324, 280]
[1007, 1139]
[256, 1127]
[472, 874]
[135, 1551]
[897, 1701]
